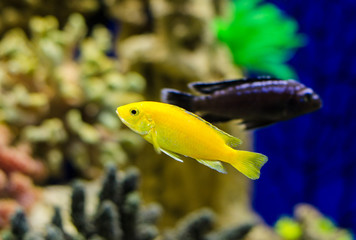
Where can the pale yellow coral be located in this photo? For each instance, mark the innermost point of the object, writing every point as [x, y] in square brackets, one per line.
[63, 101]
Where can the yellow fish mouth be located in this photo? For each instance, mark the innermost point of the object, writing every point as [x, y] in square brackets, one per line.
[125, 122]
[121, 118]
[118, 114]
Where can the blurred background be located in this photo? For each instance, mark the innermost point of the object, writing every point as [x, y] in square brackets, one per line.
[69, 169]
[312, 157]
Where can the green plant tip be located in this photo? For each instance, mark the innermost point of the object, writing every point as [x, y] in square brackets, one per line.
[260, 37]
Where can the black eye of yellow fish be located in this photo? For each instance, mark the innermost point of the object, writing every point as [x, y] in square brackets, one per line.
[134, 112]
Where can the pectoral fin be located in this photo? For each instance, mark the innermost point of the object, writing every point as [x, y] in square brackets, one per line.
[153, 134]
[173, 155]
[216, 165]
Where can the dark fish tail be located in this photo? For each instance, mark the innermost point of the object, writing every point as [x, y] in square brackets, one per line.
[180, 99]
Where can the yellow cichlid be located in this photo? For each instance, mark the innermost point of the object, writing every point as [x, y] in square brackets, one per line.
[179, 133]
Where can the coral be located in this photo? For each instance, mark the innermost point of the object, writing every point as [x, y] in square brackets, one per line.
[198, 226]
[18, 159]
[8, 207]
[288, 228]
[22, 189]
[18, 13]
[16, 190]
[170, 42]
[120, 216]
[260, 37]
[58, 95]
[11, 159]
[19, 224]
[309, 223]
[195, 225]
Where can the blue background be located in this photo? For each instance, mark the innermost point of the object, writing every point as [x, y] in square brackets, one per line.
[312, 158]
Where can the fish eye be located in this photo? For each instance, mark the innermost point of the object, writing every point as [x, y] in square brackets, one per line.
[134, 112]
[307, 97]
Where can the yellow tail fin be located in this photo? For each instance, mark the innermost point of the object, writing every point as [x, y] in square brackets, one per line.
[249, 163]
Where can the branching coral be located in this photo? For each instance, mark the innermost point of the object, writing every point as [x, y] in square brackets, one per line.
[16, 188]
[170, 42]
[198, 226]
[18, 159]
[17, 13]
[59, 91]
[120, 216]
[260, 37]
[16, 191]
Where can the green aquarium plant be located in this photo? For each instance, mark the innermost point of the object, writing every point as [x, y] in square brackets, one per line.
[260, 37]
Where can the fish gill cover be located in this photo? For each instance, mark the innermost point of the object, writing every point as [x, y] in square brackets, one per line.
[260, 37]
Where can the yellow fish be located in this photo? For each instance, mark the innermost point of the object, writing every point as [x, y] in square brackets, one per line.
[179, 133]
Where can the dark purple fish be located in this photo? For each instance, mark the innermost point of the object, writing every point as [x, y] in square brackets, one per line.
[258, 102]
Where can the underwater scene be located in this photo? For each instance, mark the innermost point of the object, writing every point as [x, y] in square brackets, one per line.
[177, 120]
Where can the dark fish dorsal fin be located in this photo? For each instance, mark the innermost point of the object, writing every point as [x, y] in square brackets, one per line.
[210, 87]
